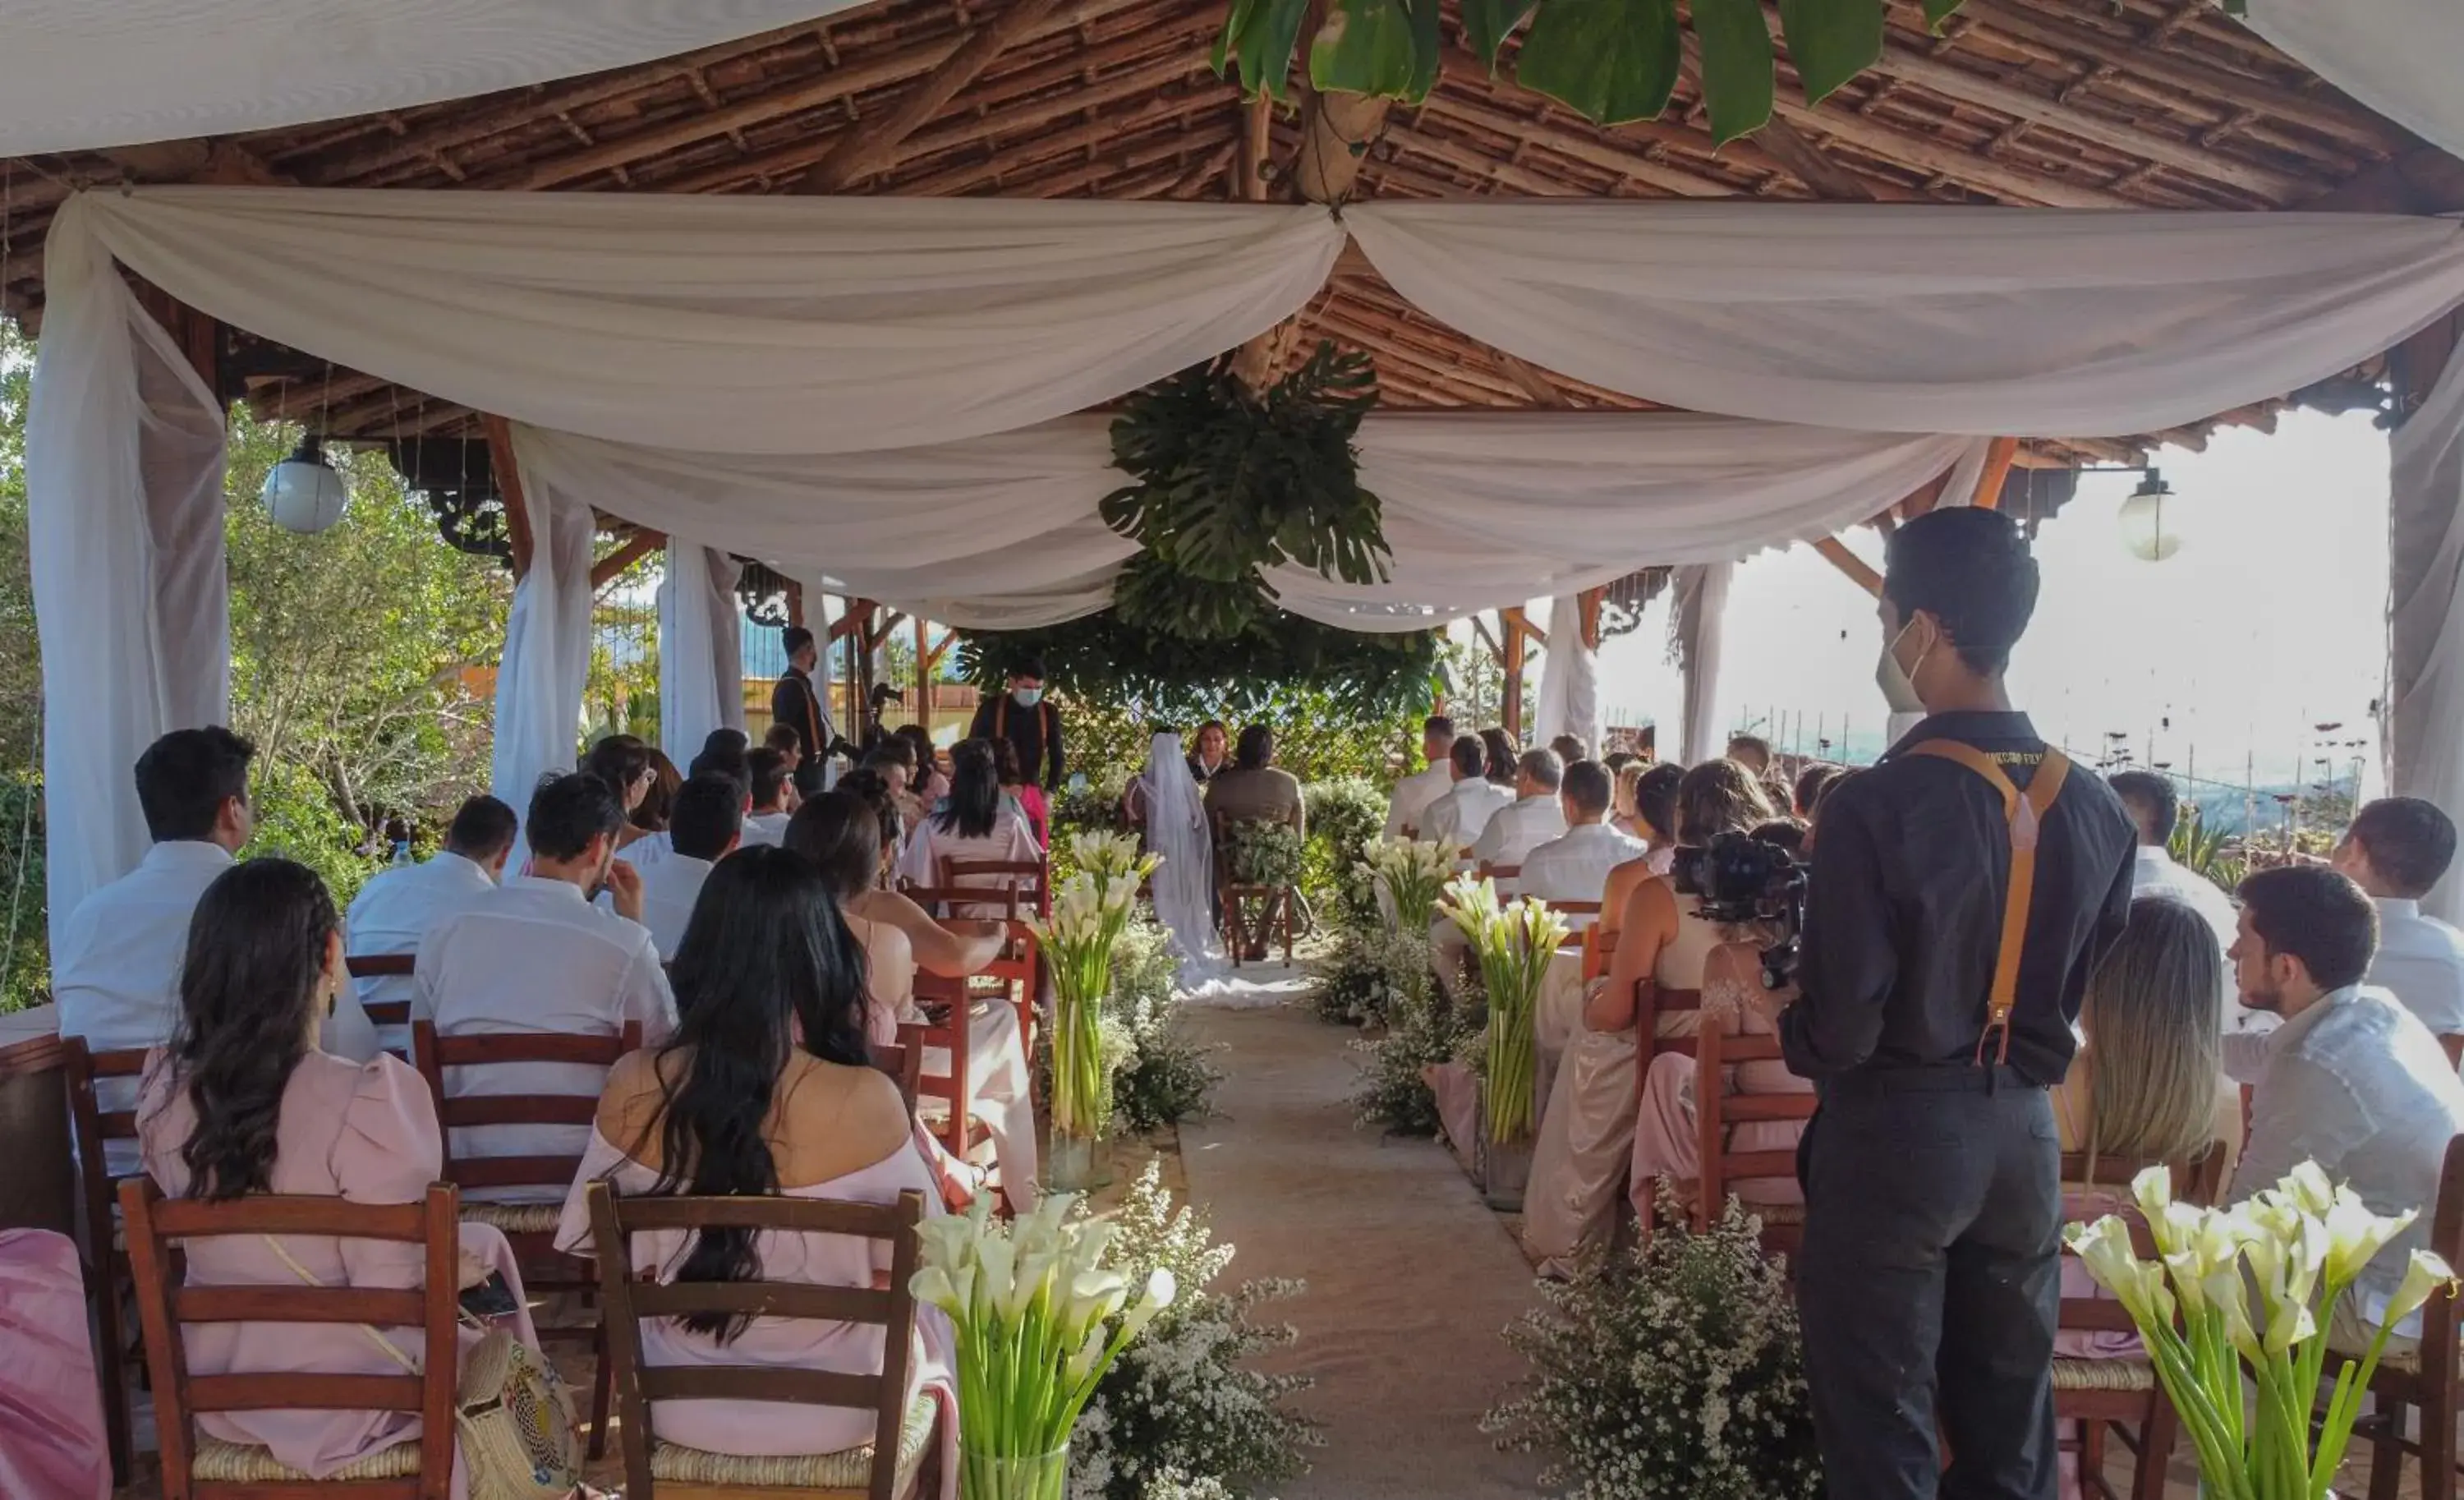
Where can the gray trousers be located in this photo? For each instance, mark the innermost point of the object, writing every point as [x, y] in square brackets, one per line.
[1929, 1284]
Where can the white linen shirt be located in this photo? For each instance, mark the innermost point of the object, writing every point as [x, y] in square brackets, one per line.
[1516, 830]
[1409, 807]
[766, 828]
[2421, 962]
[115, 969]
[2359, 1085]
[2156, 875]
[669, 892]
[1010, 841]
[534, 955]
[392, 913]
[1575, 866]
[1459, 817]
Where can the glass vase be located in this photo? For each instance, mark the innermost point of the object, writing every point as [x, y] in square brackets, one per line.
[1075, 1163]
[1001, 1476]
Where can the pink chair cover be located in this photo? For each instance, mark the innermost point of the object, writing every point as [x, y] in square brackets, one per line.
[52, 1444]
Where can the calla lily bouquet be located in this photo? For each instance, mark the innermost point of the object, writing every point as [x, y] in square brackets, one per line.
[1110, 856]
[1034, 1307]
[2255, 1285]
[1413, 875]
[1514, 942]
[1088, 915]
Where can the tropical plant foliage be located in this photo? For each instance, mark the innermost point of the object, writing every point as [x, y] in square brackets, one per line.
[1610, 61]
[1257, 673]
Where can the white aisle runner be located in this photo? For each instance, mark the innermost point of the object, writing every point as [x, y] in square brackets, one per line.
[1410, 1278]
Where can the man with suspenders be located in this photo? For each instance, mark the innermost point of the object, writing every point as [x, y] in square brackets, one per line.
[1026, 718]
[1962, 891]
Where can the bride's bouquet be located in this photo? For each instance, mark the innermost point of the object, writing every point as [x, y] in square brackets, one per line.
[1412, 874]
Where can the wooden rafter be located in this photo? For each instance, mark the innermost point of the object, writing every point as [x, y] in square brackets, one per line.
[861, 152]
[640, 545]
[509, 485]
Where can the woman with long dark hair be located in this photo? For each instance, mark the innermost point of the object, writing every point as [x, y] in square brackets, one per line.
[973, 822]
[624, 762]
[764, 1091]
[932, 785]
[841, 834]
[242, 1102]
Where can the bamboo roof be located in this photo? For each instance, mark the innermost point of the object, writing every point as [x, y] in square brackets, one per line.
[2145, 104]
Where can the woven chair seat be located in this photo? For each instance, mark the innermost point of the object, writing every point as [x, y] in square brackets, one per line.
[826, 1476]
[254, 1464]
[514, 1218]
[2103, 1375]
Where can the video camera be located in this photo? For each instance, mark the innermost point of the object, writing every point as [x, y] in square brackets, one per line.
[1742, 879]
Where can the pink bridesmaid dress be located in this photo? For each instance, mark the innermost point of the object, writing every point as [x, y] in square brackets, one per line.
[52, 1443]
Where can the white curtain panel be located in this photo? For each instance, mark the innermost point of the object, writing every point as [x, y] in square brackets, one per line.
[2425, 610]
[734, 324]
[1900, 317]
[1570, 679]
[701, 650]
[124, 540]
[2398, 57]
[1701, 640]
[81, 74]
[547, 649]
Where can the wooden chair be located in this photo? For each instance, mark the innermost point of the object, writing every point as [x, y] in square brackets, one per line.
[1718, 1168]
[1600, 951]
[2112, 1395]
[198, 1468]
[2426, 1379]
[1016, 969]
[655, 1470]
[384, 1012]
[1025, 880]
[1276, 911]
[529, 1227]
[905, 1066]
[106, 1251]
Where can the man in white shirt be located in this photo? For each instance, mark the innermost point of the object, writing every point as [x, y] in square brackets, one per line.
[705, 825]
[1575, 866]
[1462, 815]
[1413, 794]
[1533, 820]
[766, 822]
[2153, 807]
[2351, 1080]
[394, 911]
[536, 956]
[115, 969]
[2396, 850]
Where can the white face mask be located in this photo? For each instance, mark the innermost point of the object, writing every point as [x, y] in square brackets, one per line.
[1897, 682]
[1026, 697]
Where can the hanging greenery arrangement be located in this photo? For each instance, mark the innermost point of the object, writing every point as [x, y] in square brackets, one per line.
[1103, 659]
[1609, 60]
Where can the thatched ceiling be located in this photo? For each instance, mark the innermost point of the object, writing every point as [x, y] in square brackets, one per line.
[2156, 103]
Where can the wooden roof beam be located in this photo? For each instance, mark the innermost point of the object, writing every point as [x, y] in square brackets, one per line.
[1826, 178]
[1478, 167]
[1011, 163]
[1606, 155]
[1928, 153]
[861, 152]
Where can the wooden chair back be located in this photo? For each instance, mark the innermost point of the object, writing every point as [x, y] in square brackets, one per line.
[1651, 1002]
[91, 1127]
[166, 1307]
[1235, 898]
[1580, 935]
[1034, 875]
[945, 1026]
[1599, 950]
[905, 1066]
[2431, 1380]
[434, 1053]
[377, 966]
[613, 1222]
[1019, 966]
[1503, 875]
[1717, 1111]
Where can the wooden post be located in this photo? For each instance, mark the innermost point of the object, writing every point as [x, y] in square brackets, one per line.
[509, 487]
[923, 678]
[642, 545]
[1998, 468]
[1860, 571]
[1590, 601]
[1517, 629]
[795, 603]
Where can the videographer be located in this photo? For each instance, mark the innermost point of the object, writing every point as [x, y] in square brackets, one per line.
[1961, 892]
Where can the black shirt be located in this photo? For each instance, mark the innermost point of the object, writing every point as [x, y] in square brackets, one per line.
[1035, 732]
[792, 703]
[1903, 914]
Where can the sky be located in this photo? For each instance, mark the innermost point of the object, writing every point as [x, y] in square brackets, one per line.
[2269, 620]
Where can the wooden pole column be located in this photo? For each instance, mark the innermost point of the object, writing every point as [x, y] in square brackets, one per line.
[1998, 458]
[1517, 630]
[923, 677]
[509, 487]
[1590, 601]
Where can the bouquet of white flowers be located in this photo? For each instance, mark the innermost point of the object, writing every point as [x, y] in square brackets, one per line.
[1111, 855]
[1412, 875]
[1515, 943]
[1088, 915]
[1031, 1304]
[2294, 1248]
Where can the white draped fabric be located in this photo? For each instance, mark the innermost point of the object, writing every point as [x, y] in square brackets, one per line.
[124, 457]
[701, 650]
[1702, 629]
[2426, 605]
[743, 326]
[83, 74]
[1893, 318]
[2395, 55]
[1570, 679]
[547, 649]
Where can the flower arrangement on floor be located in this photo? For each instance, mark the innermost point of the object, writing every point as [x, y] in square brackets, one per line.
[1089, 912]
[1513, 942]
[1164, 1077]
[1423, 1030]
[1344, 817]
[1675, 1369]
[2303, 1244]
[1412, 874]
[1264, 853]
[1180, 1416]
[1367, 972]
[1039, 1320]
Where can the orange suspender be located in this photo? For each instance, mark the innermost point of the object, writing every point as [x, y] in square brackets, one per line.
[2025, 813]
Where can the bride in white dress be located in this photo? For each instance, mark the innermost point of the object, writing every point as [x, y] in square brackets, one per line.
[1185, 898]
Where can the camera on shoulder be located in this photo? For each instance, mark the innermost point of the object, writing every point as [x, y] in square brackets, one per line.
[1740, 878]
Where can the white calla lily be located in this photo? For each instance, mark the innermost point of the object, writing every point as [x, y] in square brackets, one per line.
[2424, 1275]
[932, 1287]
